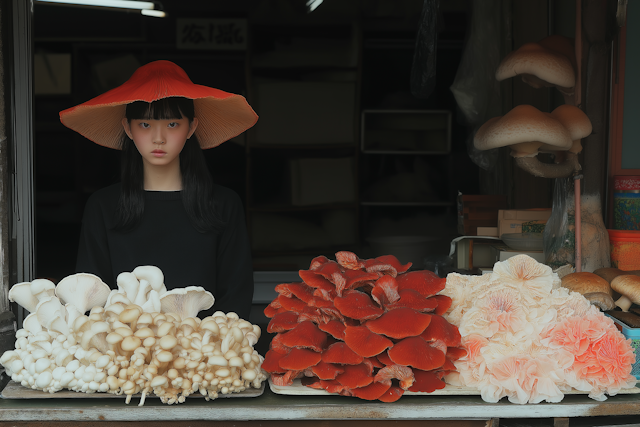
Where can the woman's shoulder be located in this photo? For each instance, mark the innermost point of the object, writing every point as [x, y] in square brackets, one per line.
[105, 196]
[227, 199]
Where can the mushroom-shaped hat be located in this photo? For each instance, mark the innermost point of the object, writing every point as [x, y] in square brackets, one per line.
[540, 65]
[221, 115]
[525, 129]
[627, 285]
[576, 122]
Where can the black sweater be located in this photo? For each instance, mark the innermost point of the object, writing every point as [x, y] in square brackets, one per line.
[219, 262]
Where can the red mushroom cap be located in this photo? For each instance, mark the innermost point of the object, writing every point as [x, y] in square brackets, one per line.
[426, 282]
[400, 323]
[394, 262]
[375, 266]
[358, 278]
[277, 346]
[317, 262]
[283, 322]
[349, 260]
[333, 386]
[286, 379]
[357, 305]
[455, 353]
[444, 302]
[413, 299]
[364, 342]
[332, 271]
[426, 381]
[305, 335]
[355, 376]
[299, 359]
[292, 304]
[448, 366]
[298, 289]
[340, 352]
[313, 279]
[374, 362]
[402, 373]
[274, 308]
[384, 359]
[327, 371]
[385, 290]
[416, 352]
[271, 362]
[334, 328]
[312, 382]
[370, 392]
[392, 394]
[440, 329]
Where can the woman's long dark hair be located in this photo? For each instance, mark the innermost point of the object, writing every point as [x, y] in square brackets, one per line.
[197, 185]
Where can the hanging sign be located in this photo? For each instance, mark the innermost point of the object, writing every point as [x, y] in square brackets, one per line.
[211, 34]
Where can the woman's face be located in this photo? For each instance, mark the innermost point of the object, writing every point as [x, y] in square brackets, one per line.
[160, 141]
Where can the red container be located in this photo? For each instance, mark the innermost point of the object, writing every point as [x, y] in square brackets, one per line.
[625, 249]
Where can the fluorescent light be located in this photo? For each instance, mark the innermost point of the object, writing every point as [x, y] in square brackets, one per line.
[121, 4]
[153, 12]
[312, 4]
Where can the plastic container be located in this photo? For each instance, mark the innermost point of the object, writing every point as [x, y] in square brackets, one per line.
[626, 203]
[625, 249]
[634, 335]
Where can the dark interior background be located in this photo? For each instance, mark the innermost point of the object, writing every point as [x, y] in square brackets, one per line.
[106, 45]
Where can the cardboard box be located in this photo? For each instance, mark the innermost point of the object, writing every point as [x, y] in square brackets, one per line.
[488, 231]
[478, 211]
[510, 221]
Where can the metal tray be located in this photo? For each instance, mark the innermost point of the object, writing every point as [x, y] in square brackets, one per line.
[13, 390]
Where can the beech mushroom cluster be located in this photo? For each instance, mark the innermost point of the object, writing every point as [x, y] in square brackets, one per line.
[366, 328]
[139, 338]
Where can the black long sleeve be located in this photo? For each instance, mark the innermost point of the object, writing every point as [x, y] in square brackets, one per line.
[220, 262]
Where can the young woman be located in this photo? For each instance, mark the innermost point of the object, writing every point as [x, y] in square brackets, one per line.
[166, 211]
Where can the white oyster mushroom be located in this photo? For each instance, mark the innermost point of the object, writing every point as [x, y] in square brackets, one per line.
[42, 289]
[116, 297]
[153, 275]
[152, 305]
[128, 284]
[83, 290]
[51, 312]
[21, 294]
[186, 302]
[31, 324]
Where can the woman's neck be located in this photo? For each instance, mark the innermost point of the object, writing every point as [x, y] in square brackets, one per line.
[162, 178]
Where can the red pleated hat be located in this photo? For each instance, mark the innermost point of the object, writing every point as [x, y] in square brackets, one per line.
[221, 115]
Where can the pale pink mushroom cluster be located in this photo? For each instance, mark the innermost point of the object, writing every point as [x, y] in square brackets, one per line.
[530, 340]
[139, 338]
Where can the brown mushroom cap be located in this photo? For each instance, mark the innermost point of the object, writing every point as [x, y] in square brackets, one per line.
[602, 300]
[628, 285]
[575, 121]
[538, 66]
[525, 129]
[585, 283]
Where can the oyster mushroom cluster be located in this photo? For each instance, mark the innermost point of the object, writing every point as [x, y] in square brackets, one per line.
[531, 340]
[139, 338]
[363, 328]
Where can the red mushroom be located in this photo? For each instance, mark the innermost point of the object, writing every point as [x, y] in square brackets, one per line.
[332, 271]
[376, 266]
[313, 279]
[285, 379]
[402, 373]
[394, 262]
[333, 386]
[416, 352]
[426, 282]
[312, 382]
[400, 323]
[333, 327]
[357, 278]
[355, 376]
[349, 260]
[426, 381]
[384, 359]
[292, 304]
[392, 394]
[326, 371]
[364, 342]
[373, 362]
[444, 303]
[283, 322]
[357, 305]
[317, 262]
[455, 353]
[385, 291]
[305, 335]
[413, 299]
[372, 391]
[440, 329]
[340, 352]
[298, 289]
[276, 345]
[271, 362]
[299, 359]
[274, 308]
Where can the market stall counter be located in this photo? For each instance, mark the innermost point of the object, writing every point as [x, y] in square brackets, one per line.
[273, 409]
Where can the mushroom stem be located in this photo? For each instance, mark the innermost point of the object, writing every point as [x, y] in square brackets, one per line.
[544, 170]
[624, 303]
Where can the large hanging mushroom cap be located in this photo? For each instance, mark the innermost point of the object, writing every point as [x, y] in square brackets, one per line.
[585, 282]
[628, 285]
[525, 129]
[186, 302]
[576, 122]
[82, 290]
[400, 323]
[538, 66]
